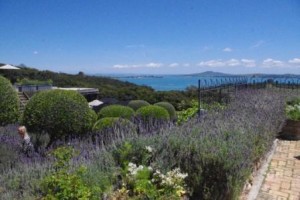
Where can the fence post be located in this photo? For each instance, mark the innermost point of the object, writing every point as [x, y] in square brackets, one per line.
[199, 97]
[220, 95]
[235, 88]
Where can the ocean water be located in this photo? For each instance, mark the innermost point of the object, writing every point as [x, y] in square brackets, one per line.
[181, 82]
[163, 83]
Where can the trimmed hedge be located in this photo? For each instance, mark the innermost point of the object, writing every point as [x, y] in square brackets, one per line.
[169, 107]
[9, 103]
[116, 111]
[153, 112]
[59, 113]
[136, 104]
[111, 122]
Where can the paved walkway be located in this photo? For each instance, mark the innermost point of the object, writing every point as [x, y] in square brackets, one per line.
[283, 176]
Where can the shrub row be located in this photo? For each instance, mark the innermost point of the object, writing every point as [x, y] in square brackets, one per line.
[140, 108]
[146, 117]
[61, 113]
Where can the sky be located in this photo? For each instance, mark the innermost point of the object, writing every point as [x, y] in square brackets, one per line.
[152, 36]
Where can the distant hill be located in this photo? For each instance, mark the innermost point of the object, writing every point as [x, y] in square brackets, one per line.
[210, 73]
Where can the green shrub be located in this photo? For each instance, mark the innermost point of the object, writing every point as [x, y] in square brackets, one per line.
[9, 103]
[293, 112]
[153, 112]
[62, 182]
[169, 107]
[136, 104]
[110, 122]
[58, 113]
[116, 111]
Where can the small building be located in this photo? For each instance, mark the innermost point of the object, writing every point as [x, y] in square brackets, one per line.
[89, 93]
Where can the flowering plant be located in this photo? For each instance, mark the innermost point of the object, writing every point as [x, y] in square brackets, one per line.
[143, 182]
[293, 110]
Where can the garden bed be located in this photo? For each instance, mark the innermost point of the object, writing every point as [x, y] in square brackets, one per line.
[216, 155]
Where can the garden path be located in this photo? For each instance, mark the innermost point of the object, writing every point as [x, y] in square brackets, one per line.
[282, 180]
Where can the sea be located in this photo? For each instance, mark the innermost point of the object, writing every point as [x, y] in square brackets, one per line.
[181, 82]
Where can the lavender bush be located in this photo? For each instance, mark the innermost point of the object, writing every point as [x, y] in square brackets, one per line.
[220, 150]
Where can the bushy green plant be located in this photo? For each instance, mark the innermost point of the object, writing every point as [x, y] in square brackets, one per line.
[185, 115]
[293, 110]
[26, 81]
[136, 104]
[169, 107]
[9, 103]
[111, 122]
[152, 112]
[58, 113]
[62, 183]
[116, 111]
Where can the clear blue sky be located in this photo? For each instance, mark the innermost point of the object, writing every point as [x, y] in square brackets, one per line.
[152, 36]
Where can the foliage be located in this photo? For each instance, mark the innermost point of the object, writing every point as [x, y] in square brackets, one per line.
[58, 113]
[153, 112]
[136, 104]
[180, 99]
[9, 103]
[169, 107]
[293, 109]
[62, 183]
[108, 87]
[26, 81]
[116, 111]
[105, 123]
[187, 114]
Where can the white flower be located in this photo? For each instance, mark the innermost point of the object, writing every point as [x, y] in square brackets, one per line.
[133, 169]
[149, 149]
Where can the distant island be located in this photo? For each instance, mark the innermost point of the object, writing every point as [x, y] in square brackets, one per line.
[210, 73]
[252, 75]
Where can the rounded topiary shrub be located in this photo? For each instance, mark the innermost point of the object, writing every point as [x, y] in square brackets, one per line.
[112, 128]
[169, 107]
[116, 111]
[9, 103]
[136, 104]
[58, 113]
[111, 122]
[152, 112]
